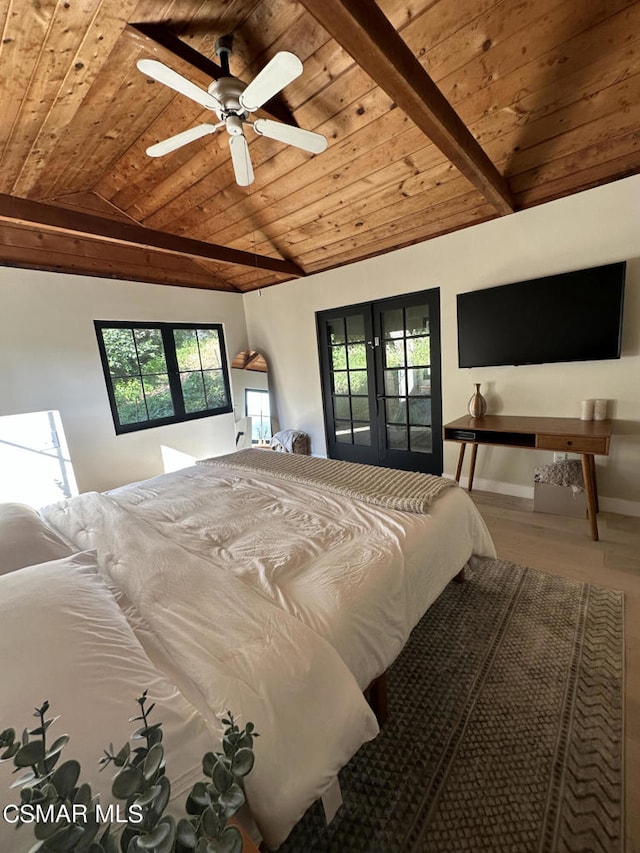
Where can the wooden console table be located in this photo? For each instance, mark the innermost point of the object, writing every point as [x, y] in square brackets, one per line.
[588, 438]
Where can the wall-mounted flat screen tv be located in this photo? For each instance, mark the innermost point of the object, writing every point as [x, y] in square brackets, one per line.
[574, 316]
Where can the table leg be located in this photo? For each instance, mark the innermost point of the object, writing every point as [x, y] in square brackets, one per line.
[590, 489]
[592, 462]
[474, 453]
[463, 447]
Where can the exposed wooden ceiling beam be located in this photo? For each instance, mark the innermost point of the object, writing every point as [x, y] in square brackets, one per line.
[363, 30]
[62, 220]
[163, 45]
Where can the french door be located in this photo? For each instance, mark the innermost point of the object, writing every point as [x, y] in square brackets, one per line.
[380, 371]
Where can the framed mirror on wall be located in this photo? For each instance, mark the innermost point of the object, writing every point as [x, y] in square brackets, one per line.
[251, 399]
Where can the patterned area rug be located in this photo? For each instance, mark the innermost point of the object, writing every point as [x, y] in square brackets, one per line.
[505, 728]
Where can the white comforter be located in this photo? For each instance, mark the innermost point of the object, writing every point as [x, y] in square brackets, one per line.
[234, 650]
[360, 576]
[276, 601]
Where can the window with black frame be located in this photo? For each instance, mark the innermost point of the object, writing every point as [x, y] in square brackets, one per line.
[163, 373]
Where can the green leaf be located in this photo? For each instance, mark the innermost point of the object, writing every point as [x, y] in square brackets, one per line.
[147, 797]
[65, 839]
[153, 761]
[210, 823]
[123, 756]
[222, 777]
[128, 782]
[208, 763]
[230, 841]
[29, 754]
[242, 762]
[7, 737]
[186, 833]
[198, 800]
[232, 799]
[24, 780]
[65, 778]
[10, 752]
[154, 839]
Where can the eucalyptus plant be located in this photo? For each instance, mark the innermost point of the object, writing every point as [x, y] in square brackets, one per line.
[68, 818]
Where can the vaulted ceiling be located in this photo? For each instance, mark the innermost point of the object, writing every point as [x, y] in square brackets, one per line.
[439, 114]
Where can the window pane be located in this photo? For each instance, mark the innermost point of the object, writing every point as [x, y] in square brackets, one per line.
[358, 381]
[158, 396]
[361, 434]
[419, 351]
[341, 382]
[420, 410]
[397, 438]
[419, 380]
[394, 353]
[121, 352]
[360, 408]
[150, 350]
[187, 353]
[396, 411]
[395, 383]
[343, 432]
[418, 320]
[210, 352]
[215, 392]
[341, 408]
[355, 328]
[193, 391]
[392, 323]
[335, 330]
[338, 356]
[130, 401]
[421, 439]
[357, 356]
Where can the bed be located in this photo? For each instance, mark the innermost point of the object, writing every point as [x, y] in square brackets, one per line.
[277, 595]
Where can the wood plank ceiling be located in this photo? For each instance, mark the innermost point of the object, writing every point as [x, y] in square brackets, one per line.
[533, 100]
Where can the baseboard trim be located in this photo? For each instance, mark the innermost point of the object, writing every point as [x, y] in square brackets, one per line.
[615, 505]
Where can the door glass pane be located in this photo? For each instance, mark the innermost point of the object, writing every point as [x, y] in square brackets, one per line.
[420, 410]
[186, 341]
[396, 411]
[150, 350]
[158, 395]
[417, 320]
[395, 383]
[214, 389]
[394, 353]
[121, 352]
[358, 381]
[355, 328]
[419, 351]
[360, 408]
[341, 382]
[341, 408]
[397, 437]
[338, 357]
[335, 331]
[361, 434]
[421, 439]
[357, 356]
[343, 432]
[392, 323]
[419, 380]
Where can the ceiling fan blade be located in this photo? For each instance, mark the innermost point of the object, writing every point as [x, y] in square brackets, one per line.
[277, 73]
[241, 160]
[305, 139]
[163, 74]
[180, 139]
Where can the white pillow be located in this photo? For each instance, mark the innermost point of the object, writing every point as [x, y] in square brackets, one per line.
[64, 639]
[25, 539]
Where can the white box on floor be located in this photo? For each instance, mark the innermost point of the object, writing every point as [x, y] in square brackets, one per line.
[559, 500]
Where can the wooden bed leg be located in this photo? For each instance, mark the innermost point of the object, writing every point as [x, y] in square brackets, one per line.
[459, 578]
[377, 697]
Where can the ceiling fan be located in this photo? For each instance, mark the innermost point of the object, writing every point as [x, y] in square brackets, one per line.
[233, 102]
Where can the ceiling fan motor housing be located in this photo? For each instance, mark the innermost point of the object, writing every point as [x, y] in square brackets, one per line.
[227, 91]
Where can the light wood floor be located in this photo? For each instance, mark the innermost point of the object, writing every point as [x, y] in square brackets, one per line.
[563, 546]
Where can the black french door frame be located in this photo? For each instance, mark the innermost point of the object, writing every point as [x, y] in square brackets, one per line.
[381, 381]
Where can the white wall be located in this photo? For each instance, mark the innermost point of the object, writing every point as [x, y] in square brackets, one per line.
[49, 360]
[592, 228]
